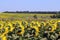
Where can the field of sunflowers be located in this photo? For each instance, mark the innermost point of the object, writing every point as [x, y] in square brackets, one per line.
[19, 29]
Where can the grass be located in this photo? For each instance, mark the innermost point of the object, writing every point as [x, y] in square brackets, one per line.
[5, 15]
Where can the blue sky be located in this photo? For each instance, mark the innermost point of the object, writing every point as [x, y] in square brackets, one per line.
[29, 5]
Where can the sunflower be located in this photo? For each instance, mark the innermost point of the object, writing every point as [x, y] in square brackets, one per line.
[54, 25]
[53, 28]
[10, 26]
[33, 23]
[7, 28]
[38, 24]
[43, 24]
[24, 23]
[21, 27]
[58, 23]
[53, 21]
[1, 24]
[36, 28]
[4, 38]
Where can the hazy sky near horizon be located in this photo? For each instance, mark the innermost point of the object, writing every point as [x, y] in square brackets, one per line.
[29, 5]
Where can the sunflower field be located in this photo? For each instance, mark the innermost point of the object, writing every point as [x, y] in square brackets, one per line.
[25, 27]
[29, 30]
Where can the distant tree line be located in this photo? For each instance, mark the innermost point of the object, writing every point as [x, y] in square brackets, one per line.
[39, 12]
[56, 14]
